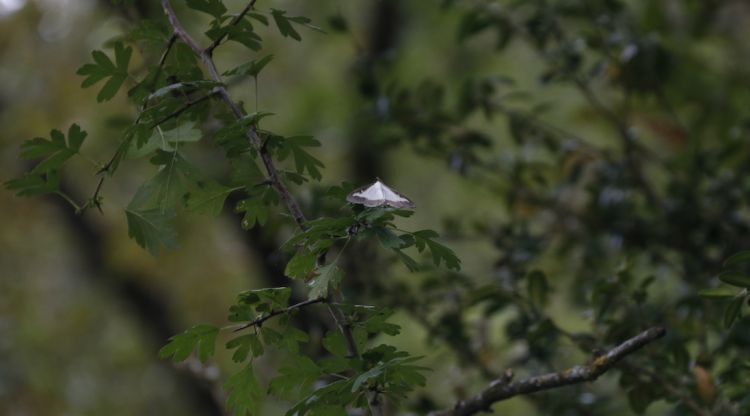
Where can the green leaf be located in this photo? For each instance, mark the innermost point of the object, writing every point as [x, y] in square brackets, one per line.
[375, 321]
[335, 343]
[245, 171]
[323, 229]
[388, 239]
[409, 262]
[300, 266]
[208, 198]
[54, 151]
[244, 392]
[366, 376]
[151, 229]
[537, 288]
[186, 132]
[200, 337]
[735, 279]
[298, 374]
[283, 22]
[244, 345]
[303, 161]
[424, 238]
[732, 312]
[165, 140]
[213, 7]
[741, 257]
[166, 190]
[285, 27]
[330, 400]
[103, 68]
[251, 68]
[241, 313]
[267, 299]
[720, 292]
[327, 276]
[256, 212]
[35, 184]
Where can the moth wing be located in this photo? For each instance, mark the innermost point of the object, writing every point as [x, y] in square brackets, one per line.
[369, 196]
[395, 199]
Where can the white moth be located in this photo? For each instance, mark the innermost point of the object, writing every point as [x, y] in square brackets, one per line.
[379, 195]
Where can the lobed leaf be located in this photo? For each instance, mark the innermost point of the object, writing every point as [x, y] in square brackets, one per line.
[151, 229]
[244, 392]
[208, 198]
[54, 151]
[103, 68]
[200, 337]
[328, 276]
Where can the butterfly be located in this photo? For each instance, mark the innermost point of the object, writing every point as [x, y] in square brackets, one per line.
[379, 195]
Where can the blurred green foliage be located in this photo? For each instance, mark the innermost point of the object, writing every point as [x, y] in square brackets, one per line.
[586, 160]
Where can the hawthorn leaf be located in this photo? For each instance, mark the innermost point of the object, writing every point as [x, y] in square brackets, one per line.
[300, 266]
[298, 374]
[35, 184]
[208, 198]
[151, 228]
[244, 392]
[251, 68]
[245, 344]
[103, 68]
[54, 151]
[201, 337]
[328, 276]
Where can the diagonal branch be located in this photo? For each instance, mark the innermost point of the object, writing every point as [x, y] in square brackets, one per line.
[252, 133]
[504, 389]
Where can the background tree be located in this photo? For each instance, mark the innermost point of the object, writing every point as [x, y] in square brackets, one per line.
[584, 160]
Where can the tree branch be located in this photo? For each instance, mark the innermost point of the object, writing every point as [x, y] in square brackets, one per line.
[259, 320]
[504, 389]
[252, 134]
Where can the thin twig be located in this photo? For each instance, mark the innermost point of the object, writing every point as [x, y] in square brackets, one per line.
[181, 110]
[263, 318]
[163, 60]
[504, 390]
[210, 49]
